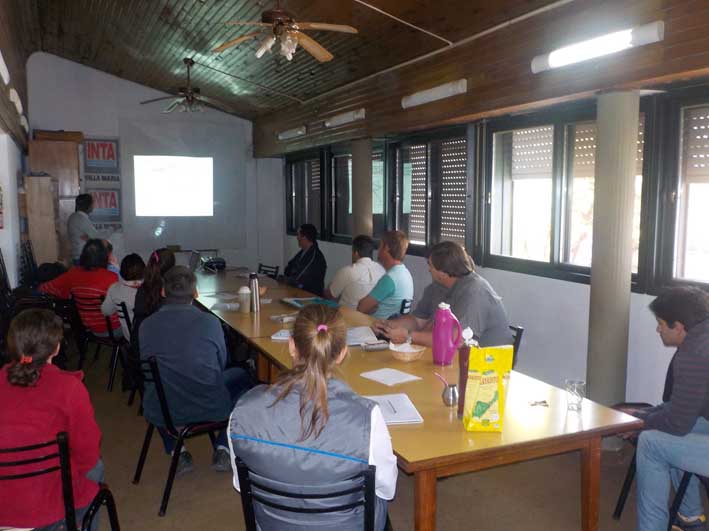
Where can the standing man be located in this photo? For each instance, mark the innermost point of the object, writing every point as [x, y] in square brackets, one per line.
[675, 437]
[472, 301]
[354, 282]
[396, 285]
[306, 270]
[80, 227]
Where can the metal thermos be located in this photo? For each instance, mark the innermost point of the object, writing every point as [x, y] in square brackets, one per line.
[255, 294]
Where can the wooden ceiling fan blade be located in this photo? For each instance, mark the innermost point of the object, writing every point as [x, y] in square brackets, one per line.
[313, 48]
[158, 99]
[238, 40]
[215, 103]
[172, 106]
[322, 26]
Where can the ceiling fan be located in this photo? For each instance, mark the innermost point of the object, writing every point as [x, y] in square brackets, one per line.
[189, 98]
[280, 25]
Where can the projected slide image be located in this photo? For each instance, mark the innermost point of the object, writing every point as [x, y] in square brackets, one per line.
[173, 186]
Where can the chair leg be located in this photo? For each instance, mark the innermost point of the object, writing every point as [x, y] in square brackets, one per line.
[171, 475]
[143, 454]
[625, 490]
[82, 344]
[213, 438]
[131, 398]
[114, 366]
[98, 350]
[674, 508]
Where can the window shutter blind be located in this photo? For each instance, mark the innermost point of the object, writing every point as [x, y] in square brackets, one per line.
[418, 155]
[532, 152]
[695, 144]
[313, 190]
[454, 183]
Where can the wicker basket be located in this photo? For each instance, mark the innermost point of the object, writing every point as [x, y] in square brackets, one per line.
[408, 356]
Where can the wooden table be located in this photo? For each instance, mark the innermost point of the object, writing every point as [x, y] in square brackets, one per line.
[440, 447]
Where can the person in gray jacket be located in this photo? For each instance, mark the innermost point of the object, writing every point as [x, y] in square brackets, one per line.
[311, 429]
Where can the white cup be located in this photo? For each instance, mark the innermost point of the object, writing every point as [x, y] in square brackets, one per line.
[244, 299]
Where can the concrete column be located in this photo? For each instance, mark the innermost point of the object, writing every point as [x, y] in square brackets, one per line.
[362, 187]
[611, 266]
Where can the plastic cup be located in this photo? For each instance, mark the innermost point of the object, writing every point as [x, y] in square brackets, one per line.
[575, 393]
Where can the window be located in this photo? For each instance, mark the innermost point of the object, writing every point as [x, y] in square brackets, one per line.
[304, 188]
[542, 190]
[522, 192]
[691, 260]
[379, 195]
[432, 190]
[580, 192]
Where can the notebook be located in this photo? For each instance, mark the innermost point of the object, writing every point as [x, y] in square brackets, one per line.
[304, 301]
[358, 335]
[397, 409]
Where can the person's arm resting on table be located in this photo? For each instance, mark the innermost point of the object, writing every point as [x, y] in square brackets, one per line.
[384, 288]
[338, 284]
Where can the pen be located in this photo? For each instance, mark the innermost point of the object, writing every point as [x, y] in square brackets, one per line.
[391, 406]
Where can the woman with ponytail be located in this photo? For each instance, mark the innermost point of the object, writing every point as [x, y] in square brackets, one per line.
[38, 401]
[148, 298]
[309, 428]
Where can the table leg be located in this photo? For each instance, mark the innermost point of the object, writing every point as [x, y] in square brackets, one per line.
[425, 500]
[263, 368]
[590, 484]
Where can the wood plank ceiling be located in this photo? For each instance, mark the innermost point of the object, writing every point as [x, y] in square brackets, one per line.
[145, 41]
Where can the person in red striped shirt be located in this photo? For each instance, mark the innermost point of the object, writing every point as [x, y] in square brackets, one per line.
[89, 279]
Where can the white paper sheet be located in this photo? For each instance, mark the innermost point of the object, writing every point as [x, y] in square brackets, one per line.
[358, 335]
[389, 376]
[281, 335]
[397, 409]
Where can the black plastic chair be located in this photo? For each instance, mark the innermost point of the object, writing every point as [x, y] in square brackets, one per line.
[269, 271]
[91, 306]
[405, 306]
[28, 271]
[151, 374]
[5, 289]
[517, 332]
[51, 450]
[255, 489]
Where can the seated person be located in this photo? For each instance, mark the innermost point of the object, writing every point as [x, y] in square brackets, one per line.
[123, 291]
[89, 279]
[396, 285]
[112, 260]
[191, 353]
[306, 269]
[472, 301]
[325, 432]
[352, 283]
[675, 437]
[38, 401]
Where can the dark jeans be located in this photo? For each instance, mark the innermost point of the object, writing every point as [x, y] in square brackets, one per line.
[237, 382]
[96, 475]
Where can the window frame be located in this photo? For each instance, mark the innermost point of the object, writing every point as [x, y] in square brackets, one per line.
[291, 199]
[560, 117]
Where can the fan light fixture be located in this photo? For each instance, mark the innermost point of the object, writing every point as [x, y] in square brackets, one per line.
[266, 46]
[24, 124]
[600, 46]
[292, 133]
[435, 93]
[345, 118]
[15, 98]
[4, 72]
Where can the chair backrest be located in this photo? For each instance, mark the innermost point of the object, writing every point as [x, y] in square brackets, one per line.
[5, 288]
[405, 306]
[51, 450]
[517, 332]
[28, 271]
[271, 271]
[124, 315]
[89, 309]
[150, 373]
[255, 488]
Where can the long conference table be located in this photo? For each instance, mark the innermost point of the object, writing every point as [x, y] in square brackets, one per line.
[440, 446]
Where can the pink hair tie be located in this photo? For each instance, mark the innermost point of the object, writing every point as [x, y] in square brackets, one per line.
[322, 328]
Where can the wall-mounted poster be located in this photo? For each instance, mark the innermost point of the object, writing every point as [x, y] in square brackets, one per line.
[102, 179]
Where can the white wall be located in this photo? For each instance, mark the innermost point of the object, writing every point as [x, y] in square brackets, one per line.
[554, 314]
[66, 95]
[10, 167]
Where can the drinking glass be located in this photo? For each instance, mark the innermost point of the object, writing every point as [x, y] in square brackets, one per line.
[575, 392]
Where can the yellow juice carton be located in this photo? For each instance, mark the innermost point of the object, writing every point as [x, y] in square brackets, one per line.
[483, 387]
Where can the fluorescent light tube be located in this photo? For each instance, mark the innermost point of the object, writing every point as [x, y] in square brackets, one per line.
[600, 46]
[435, 93]
[291, 133]
[4, 72]
[345, 118]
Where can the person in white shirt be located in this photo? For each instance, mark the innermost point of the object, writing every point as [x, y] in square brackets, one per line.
[80, 227]
[124, 291]
[354, 282]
